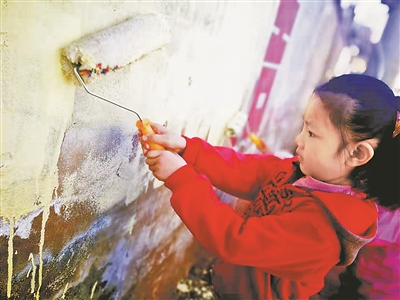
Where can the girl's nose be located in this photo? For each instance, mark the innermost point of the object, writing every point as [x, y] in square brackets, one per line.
[298, 141]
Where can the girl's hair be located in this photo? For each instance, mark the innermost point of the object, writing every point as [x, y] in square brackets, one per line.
[363, 107]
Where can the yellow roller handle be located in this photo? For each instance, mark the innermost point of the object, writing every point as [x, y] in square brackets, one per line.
[257, 141]
[145, 128]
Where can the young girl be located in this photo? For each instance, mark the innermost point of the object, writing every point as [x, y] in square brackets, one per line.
[308, 213]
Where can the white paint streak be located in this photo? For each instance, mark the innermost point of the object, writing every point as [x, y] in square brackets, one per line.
[33, 272]
[46, 213]
[10, 257]
[93, 289]
[65, 290]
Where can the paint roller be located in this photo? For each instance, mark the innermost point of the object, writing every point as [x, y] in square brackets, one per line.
[114, 48]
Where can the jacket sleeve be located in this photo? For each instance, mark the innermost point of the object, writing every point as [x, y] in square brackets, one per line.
[235, 173]
[291, 245]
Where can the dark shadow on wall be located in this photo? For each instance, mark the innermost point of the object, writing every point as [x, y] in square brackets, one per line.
[101, 259]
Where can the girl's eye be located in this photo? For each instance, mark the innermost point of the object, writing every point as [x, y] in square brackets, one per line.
[310, 134]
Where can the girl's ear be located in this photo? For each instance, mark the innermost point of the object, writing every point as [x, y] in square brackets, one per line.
[362, 152]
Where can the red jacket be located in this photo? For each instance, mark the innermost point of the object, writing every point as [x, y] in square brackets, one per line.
[288, 238]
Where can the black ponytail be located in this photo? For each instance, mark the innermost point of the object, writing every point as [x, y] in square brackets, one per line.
[363, 107]
[383, 181]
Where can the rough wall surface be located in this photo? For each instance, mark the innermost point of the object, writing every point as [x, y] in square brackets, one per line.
[81, 216]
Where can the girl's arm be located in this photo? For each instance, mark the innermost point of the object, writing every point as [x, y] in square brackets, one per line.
[290, 245]
[233, 172]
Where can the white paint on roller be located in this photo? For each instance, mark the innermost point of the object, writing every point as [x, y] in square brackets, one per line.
[120, 45]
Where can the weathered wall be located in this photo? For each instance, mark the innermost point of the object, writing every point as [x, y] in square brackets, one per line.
[80, 214]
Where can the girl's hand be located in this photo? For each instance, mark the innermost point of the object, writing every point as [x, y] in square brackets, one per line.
[170, 141]
[163, 163]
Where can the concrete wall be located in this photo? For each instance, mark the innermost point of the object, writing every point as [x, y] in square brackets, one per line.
[81, 216]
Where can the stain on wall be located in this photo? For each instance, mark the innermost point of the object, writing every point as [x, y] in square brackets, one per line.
[81, 215]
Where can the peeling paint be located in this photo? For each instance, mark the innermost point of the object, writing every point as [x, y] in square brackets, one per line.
[23, 225]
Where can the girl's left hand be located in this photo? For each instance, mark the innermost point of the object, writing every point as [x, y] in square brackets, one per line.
[163, 163]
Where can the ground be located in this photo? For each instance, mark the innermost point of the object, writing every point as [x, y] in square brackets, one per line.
[197, 285]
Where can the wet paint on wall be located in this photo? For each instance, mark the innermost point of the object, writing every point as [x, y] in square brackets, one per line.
[81, 217]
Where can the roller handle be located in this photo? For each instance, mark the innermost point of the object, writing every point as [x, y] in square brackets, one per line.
[145, 128]
[257, 141]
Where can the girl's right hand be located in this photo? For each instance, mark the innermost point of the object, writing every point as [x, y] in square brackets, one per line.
[170, 141]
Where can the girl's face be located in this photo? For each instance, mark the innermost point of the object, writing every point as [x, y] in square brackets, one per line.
[318, 146]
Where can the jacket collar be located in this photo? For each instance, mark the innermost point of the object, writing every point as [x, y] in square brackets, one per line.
[314, 184]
